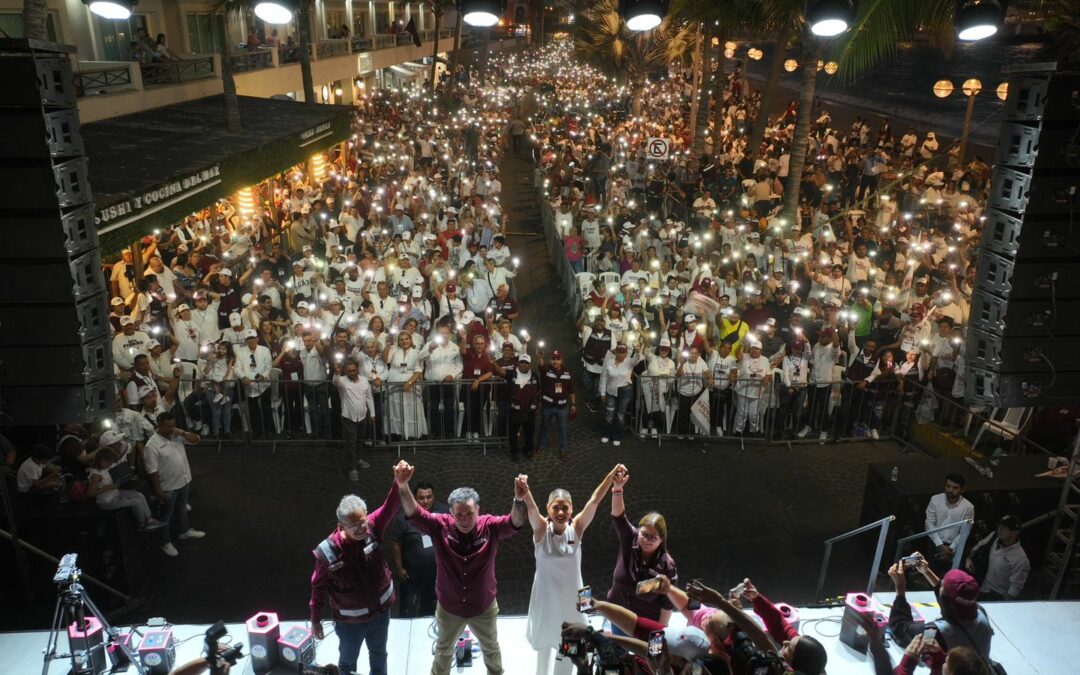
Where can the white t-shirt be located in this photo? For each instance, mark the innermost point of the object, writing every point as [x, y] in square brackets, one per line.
[167, 457]
[29, 471]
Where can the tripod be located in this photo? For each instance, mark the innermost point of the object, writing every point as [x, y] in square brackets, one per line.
[72, 604]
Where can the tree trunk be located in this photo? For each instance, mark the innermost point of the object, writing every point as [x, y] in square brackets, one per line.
[484, 57]
[303, 32]
[718, 82]
[801, 138]
[701, 124]
[435, 49]
[769, 93]
[456, 56]
[35, 19]
[695, 82]
[228, 85]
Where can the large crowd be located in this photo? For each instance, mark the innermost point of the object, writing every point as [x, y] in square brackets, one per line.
[369, 295]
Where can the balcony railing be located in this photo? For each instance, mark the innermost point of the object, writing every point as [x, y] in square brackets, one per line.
[403, 39]
[362, 44]
[325, 49]
[181, 70]
[103, 80]
[257, 59]
[446, 33]
[384, 41]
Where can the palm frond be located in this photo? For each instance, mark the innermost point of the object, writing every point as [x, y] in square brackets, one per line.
[880, 25]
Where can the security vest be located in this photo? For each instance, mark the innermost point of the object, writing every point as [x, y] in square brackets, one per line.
[360, 583]
[597, 347]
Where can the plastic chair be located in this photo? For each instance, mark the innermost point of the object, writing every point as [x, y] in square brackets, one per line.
[1008, 427]
[275, 399]
[585, 283]
[609, 278]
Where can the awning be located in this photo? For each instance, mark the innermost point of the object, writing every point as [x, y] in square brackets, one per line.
[151, 169]
[406, 72]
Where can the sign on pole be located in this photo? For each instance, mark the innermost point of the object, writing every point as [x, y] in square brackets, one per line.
[656, 148]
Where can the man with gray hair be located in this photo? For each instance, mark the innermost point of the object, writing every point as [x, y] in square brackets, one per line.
[351, 572]
[466, 544]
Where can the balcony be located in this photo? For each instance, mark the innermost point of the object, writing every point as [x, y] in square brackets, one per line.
[110, 88]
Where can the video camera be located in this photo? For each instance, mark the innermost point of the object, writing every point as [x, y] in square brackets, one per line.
[754, 661]
[68, 571]
[213, 656]
[608, 658]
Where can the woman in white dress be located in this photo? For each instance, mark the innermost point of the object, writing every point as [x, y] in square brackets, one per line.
[557, 545]
[404, 402]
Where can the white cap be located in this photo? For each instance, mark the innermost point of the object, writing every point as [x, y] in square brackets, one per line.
[126, 321]
[664, 342]
[770, 321]
[245, 298]
[110, 437]
[235, 319]
[152, 344]
[250, 333]
[182, 308]
[417, 292]
[116, 302]
[467, 317]
[690, 317]
[146, 391]
[302, 304]
[226, 272]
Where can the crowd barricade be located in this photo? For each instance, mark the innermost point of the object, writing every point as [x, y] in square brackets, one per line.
[687, 407]
[564, 273]
[282, 409]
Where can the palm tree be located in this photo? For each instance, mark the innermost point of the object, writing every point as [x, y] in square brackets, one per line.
[700, 124]
[437, 7]
[35, 19]
[228, 88]
[602, 39]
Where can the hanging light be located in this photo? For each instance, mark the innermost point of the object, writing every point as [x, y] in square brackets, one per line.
[978, 19]
[1003, 91]
[325, 93]
[943, 88]
[642, 15]
[831, 67]
[273, 12]
[820, 65]
[755, 54]
[338, 91]
[730, 45]
[481, 13]
[828, 18]
[111, 9]
[971, 87]
[245, 201]
[790, 65]
[318, 167]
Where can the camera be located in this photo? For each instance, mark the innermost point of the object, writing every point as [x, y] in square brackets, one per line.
[68, 571]
[213, 656]
[754, 661]
[608, 658]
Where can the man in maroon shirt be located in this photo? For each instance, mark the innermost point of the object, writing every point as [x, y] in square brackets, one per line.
[477, 368]
[351, 572]
[465, 547]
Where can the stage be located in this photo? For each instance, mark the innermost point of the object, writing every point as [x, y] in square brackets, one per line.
[1030, 637]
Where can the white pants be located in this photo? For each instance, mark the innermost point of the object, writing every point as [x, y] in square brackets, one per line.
[131, 499]
[746, 407]
[544, 659]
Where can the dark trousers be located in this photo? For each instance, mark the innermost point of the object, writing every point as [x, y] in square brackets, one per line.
[521, 422]
[262, 421]
[475, 407]
[720, 407]
[417, 597]
[354, 434]
[819, 407]
[682, 421]
[791, 406]
[351, 637]
[318, 408]
[294, 410]
[441, 423]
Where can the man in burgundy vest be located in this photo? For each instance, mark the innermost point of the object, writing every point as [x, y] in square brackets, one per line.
[351, 572]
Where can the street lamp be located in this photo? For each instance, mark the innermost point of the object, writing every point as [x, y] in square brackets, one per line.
[829, 18]
[790, 65]
[642, 15]
[978, 19]
[273, 12]
[116, 9]
[481, 13]
[971, 89]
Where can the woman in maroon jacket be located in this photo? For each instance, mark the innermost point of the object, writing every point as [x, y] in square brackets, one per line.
[642, 556]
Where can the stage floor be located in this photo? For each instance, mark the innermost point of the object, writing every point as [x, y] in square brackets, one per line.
[1030, 637]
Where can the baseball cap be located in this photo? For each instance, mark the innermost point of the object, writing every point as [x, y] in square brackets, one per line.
[116, 302]
[225, 272]
[302, 304]
[688, 642]
[690, 317]
[235, 320]
[467, 317]
[110, 437]
[152, 344]
[556, 354]
[451, 288]
[126, 321]
[417, 292]
[182, 308]
[962, 593]
[770, 321]
[664, 342]
[525, 358]
[250, 333]
[245, 299]
[507, 345]
[146, 391]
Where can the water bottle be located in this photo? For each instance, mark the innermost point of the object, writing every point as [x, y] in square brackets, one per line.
[895, 475]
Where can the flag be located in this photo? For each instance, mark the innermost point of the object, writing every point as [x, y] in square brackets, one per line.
[699, 412]
[410, 28]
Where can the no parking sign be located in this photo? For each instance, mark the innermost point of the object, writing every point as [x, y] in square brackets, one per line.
[656, 148]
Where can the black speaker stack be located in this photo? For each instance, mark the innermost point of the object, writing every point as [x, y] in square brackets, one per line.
[1023, 342]
[55, 342]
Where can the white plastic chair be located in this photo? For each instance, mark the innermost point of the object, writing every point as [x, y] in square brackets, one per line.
[1008, 427]
[585, 283]
[610, 278]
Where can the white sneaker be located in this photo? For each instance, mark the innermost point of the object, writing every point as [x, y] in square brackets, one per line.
[874, 434]
[824, 436]
[804, 431]
[170, 550]
[719, 431]
[654, 432]
[219, 398]
[188, 508]
[604, 439]
[192, 533]
[616, 443]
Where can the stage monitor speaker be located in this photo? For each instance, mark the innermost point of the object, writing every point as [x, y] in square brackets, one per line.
[1038, 94]
[55, 347]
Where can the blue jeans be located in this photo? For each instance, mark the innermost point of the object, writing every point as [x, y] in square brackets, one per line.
[174, 508]
[351, 637]
[561, 415]
[615, 407]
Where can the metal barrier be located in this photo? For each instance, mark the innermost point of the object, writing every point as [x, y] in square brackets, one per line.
[257, 59]
[280, 409]
[958, 544]
[883, 534]
[102, 81]
[687, 407]
[564, 274]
